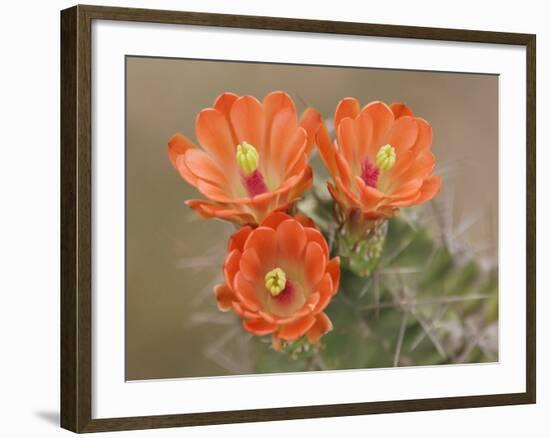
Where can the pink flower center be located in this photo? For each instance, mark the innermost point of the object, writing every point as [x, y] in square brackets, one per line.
[369, 173]
[254, 183]
[285, 296]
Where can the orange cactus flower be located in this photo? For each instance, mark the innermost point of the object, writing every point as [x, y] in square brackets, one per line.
[253, 157]
[279, 279]
[381, 159]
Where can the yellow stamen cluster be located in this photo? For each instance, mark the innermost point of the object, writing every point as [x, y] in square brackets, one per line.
[247, 157]
[385, 157]
[275, 281]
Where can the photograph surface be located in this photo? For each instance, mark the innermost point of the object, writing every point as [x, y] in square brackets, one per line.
[291, 218]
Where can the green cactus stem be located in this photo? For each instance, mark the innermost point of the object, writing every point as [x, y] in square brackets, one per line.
[360, 242]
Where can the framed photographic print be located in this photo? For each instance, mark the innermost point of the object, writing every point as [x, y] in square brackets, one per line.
[267, 218]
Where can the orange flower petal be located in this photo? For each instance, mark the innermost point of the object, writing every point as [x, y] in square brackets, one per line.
[202, 166]
[208, 209]
[291, 239]
[245, 292]
[348, 140]
[305, 221]
[283, 320]
[274, 103]
[292, 189]
[347, 107]
[420, 147]
[364, 129]
[215, 137]
[350, 197]
[312, 302]
[288, 184]
[259, 327]
[314, 235]
[429, 189]
[406, 190]
[297, 166]
[261, 201]
[326, 150]
[233, 215]
[224, 102]
[251, 266]
[247, 119]
[403, 135]
[274, 219]
[198, 205]
[333, 268]
[370, 196]
[262, 204]
[402, 163]
[224, 297]
[307, 306]
[344, 170]
[237, 240]
[231, 266]
[314, 263]
[324, 289]
[263, 240]
[268, 317]
[400, 110]
[178, 145]
[303, 183]
[322, 326]
[214, 192]
[405, 201]
[382, 121]
[336, 195]
[297, 328]
[420, 167]
[310, 121]
[425, 135]
[306, 309]
[295, 150]
[283, 130]
[185, 172]
[244, 313]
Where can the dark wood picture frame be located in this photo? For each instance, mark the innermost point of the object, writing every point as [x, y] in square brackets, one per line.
[76, 218]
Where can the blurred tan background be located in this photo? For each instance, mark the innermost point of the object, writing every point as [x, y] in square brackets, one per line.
[173, 260]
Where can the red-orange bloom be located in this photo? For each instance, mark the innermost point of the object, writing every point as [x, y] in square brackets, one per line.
[253, 156]
[279, 279]
[381, 159]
